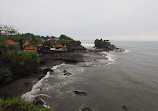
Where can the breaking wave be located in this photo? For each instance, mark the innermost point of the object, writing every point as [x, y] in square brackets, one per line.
[126, 51]
[110, 56]
[88, 45]
[30, 96]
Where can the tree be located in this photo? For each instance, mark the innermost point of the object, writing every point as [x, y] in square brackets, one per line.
[47, 43]
[101, 43]
[0, 29]
[65, 37]
[7, 30]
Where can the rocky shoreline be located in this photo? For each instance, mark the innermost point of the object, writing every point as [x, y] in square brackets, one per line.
[47, 61]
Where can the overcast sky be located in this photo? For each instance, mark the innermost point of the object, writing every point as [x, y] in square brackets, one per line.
[84, 19]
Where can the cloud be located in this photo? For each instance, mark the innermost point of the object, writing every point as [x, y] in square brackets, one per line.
[134, 38]
[83, 18]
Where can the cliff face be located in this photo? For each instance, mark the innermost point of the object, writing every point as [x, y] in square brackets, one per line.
[68, 57]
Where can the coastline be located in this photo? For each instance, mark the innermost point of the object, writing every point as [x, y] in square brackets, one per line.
[25, 86]
[47, 61]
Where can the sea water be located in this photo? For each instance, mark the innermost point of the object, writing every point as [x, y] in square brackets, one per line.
[113, 81]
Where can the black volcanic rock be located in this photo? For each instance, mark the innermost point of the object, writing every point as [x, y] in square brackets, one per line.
[67, 73]
[104, 44]
[64, 71]
[38, 102]
[124, 107]
[46, 70]
[80, 93]
[120, 50]
[86, 109]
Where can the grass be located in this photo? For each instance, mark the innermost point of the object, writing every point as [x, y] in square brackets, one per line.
[18, 104]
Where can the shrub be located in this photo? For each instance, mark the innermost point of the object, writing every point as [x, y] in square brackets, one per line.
[27, 57]
[76, 48]
[47, 43]
[26, 62]
[20, 62]
[65, 37]
[5, 75]
[101, 43]
[18, 104]
[70, 43]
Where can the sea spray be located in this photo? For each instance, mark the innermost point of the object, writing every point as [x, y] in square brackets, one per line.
[127, 51]
[30, 96]
[57, 66]
[110, 56]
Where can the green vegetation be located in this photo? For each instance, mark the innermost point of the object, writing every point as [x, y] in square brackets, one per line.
[47, 43]
[70, 43]
[27, 57]
[5, 75]
[7, 30]
[101, 43]
[18, 104]
[16, 62]
[10, 33]
[19, 62]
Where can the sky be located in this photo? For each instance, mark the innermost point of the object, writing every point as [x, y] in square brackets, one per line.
[84, 19]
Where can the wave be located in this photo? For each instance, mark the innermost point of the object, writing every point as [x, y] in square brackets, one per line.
[30, 96]
[57, 66]
[88, 45]
[111, 57]
[126, 51]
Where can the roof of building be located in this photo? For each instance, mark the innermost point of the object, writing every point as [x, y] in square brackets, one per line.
[11, 42]
[26, 43]
[59, 46]
[31, 48]
[39, 45]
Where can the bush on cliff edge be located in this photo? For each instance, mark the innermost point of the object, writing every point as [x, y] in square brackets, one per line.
[5, 75]
[14, 64]
[18, 104]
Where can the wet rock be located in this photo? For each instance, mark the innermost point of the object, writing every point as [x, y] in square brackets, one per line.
[124, 107]
[120, 50]
[111, 47]
[86, 109]
[64, 71]
[42, 62]
[27, 83]
[86, 66]
[46, 70]
[80, 93]
[40, 77]
[40, 89]
[38, 102]
[67, 73]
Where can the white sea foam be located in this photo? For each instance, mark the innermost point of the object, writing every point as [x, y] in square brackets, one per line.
[88, 45]
[111, 57]
[57, 66]
[126, 51]
[30, 96]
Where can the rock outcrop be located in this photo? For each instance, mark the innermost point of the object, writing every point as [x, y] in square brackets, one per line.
[80, 93]
[38, 102]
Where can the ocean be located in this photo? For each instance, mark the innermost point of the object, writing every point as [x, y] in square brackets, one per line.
[113, 81]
